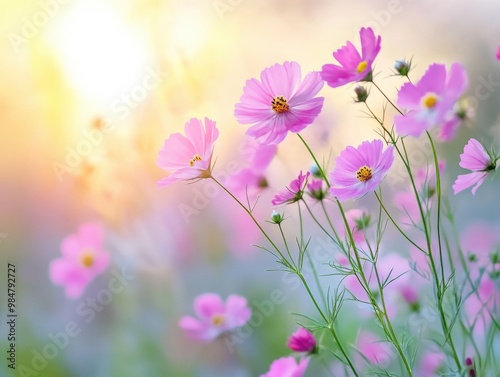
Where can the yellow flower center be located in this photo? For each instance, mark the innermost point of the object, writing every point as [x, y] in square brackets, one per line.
[218, 320]
[361, 66]
[196, 157]
[279, 105]
[364, 174]
[87, 258]
[429, 100]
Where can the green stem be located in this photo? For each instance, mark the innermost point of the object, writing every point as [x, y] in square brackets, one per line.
[322, 172]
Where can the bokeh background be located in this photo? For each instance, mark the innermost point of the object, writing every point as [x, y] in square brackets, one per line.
[74, 68]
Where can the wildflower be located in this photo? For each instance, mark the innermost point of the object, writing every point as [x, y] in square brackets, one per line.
[287, 366]
[498, 53]
[302, 340]
[353, 66]
[251, 180]
[316, 190]
[425, 182]
[215, 316]
[279, 102]
[431, 363]
[402, 67]
[373, 349]
[358, 221]
[479, 161]
[429, 101]
[461, 113]
[294, 193]
[361, 94]
[277, 218]
[360, 170]
[188, 157]
[83, 258]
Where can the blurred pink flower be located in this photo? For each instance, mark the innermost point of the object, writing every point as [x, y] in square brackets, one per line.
[358, 220]
[287, 367]
[316, 190]
[480, 306]
[430, 362]
[251, 179]
[425, 182]
[279, 102]
[476, 159]
[360, 170]
[188, 157]
[302, 340]
[215, 316]
[83, 258]
[478, 242]
[498, 53]
[294, 192]
[372, 349]
[430, 101]
[353, 66]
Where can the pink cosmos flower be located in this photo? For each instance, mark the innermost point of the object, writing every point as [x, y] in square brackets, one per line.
[373, 349]
[302, 340]
[83, 258]
[353, 66]
[188, 157]
[425, 181]
[316, 190]
[358, 220]
[430, 101]
[279, 102]
[287, 366]
[476, 159]
[360, 170]
[252, 179]
[294, 192]
[479, 241]
[498, 53]
[431, 362]
[215, 316]
[479, 307]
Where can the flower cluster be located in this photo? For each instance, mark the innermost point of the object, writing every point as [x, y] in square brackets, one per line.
[355, 204]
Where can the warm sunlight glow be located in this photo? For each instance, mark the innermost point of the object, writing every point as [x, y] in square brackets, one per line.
[100, 54]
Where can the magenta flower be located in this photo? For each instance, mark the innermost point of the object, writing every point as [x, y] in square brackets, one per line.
[279, 102]
[294, 192]
[360, 170]
[287, 366]
[498, 53]
[316, 190]
[353, 66]
[431, 100]
[188, 157]
[83, 258]
[476, 159]
[302, 340]
[215, 316]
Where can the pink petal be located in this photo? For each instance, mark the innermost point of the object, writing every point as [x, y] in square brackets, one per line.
[237, 311]
[91, 235]
[467, 180]
[198, 330]
[474, 157]
[370, 46]
[208, 304]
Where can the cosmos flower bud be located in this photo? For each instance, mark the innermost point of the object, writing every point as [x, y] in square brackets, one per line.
[361, 94]
[402, 67]
[276, 217]
[302, 340]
